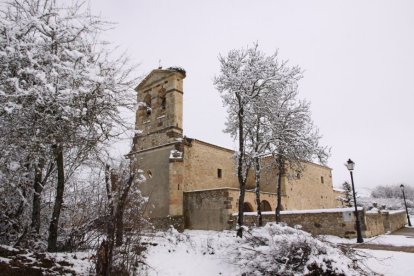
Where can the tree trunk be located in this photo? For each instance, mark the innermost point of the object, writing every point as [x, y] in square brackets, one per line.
[119, 226]
[257, 172]
[240, 177]
[119, 215]
[279, 192]
[110, 225]
[54, 223]
[38, 187]
[259, 209]
[102, 259]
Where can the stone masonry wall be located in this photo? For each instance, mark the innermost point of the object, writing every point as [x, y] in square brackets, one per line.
[396, 220]
[375, 224]
[213, 209]
[338, 222]
[310, 189]
[207, 210]
[201, 164]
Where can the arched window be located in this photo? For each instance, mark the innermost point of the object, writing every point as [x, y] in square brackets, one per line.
[265, 206]
[147, 101]
[162, 100]
[247, 207]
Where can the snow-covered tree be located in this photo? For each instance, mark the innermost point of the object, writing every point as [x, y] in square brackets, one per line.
[392, 191]
[266, 116]
[294, 138]
[61, 93]
[347, 196]
[246, 77]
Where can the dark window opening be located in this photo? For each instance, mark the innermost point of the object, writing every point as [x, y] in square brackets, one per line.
[265, 206]
[163, 103]
[247, 207]
[322, 179]
[147, 101]
[219, 173]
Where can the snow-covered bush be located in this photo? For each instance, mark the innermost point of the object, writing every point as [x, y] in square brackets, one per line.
[386, 203]
[392, 191]
[281, 250]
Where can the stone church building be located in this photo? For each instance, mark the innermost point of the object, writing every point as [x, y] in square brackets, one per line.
[191, 183]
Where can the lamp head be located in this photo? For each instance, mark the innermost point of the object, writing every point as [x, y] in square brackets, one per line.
[402, 186]
[350, 165]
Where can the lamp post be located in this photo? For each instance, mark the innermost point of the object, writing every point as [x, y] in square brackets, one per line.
[405, 202]
[350, 165]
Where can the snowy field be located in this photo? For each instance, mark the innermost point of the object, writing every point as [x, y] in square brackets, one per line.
[206, 253]
[390, 263]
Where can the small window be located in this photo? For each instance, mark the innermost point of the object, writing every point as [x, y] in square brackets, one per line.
[219, 173]
[147, 101]
[149, 174]
[322, 179]
[298, 175]
[162, 98]
[163, 103]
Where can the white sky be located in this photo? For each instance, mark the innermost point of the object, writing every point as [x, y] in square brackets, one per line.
[358, 58]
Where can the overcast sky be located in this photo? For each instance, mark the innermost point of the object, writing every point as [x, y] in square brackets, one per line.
[358, 58]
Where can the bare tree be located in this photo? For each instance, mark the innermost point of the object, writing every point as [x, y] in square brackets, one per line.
[120, 184]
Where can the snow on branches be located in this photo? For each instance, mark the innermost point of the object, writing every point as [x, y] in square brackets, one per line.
[265, 114]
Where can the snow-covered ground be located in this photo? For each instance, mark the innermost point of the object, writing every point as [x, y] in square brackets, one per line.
[191, 253]
[389, 263]
[384, 262]
[206, 253]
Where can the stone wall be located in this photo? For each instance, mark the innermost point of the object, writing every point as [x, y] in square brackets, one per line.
[375, 224]
[310, 189]
[394, 220]
[207, 210]
[155, 164]
[202, 162]
[338, 222]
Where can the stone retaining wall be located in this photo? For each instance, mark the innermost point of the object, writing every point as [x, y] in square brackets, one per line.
[338, 222]
[375, 223]
[396, 220]
[216, 210]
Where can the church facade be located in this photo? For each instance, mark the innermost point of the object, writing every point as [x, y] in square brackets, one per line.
[191, 183]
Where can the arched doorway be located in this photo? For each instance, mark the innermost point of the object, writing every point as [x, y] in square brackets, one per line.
[247, 207]
[265, 206]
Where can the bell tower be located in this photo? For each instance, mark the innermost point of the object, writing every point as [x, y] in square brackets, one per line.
[159, 118]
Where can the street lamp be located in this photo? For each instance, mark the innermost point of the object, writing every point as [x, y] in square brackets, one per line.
[405, 202]
[350, 165]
